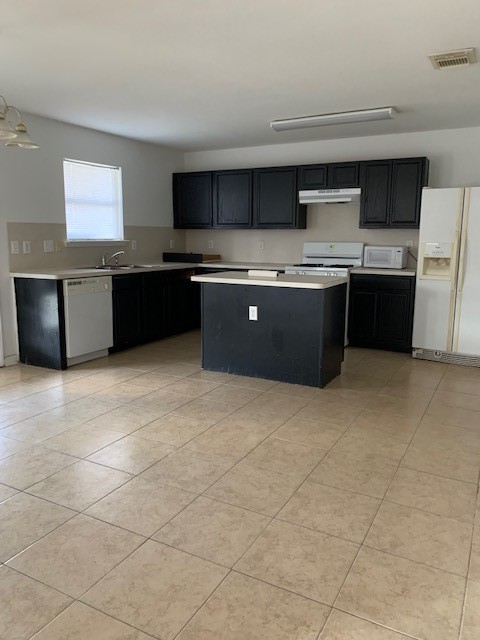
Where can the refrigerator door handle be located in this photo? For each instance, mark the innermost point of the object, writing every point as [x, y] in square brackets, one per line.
[462, 268]
[463, 241]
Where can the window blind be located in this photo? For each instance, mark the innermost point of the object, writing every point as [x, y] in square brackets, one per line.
[93, 201]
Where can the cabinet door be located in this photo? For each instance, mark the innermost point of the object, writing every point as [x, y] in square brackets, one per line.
[375, 199]
[408, 178]
[312, 176]
[232, 198]
[275, 199]
[362, 316]
[182, 303]
[381, 311]
[127, 311]
[343, 175]
[154, 306]
[394, 319]
[192, 200]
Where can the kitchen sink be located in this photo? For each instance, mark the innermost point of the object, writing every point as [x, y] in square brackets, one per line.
[112, 267]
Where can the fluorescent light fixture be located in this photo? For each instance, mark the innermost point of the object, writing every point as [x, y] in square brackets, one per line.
[344, 117]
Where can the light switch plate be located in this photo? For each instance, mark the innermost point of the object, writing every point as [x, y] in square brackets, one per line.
[172, 244]
[26, 246]
[14, 247]
[252, 313]
[210, 244]
[134, 245]
[48, 246]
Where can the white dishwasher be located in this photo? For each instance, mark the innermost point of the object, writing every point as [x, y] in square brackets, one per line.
[88, 318]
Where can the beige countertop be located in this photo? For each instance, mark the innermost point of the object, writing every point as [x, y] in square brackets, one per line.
[282, 280]
[85, 272]
[384, 272]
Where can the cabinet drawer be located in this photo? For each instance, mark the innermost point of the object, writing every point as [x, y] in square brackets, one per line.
[385, 282]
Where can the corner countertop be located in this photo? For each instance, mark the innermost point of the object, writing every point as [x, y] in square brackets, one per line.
[282, 280]
[383, 272]
[84, 272]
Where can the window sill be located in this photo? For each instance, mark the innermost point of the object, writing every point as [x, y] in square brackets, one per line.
[96, 243]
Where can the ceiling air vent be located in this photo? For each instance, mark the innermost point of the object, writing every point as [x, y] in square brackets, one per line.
[449, 59]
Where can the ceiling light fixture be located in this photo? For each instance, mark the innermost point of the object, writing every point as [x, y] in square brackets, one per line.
[343, 117]
[14, 137]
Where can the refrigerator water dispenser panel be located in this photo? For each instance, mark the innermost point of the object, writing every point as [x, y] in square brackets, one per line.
[436, 261]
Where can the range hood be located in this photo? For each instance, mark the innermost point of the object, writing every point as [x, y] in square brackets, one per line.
[328, 196]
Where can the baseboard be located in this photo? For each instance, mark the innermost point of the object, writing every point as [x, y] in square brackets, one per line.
[11, 360]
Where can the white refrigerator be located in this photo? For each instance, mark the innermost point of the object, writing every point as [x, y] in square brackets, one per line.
[446, 324]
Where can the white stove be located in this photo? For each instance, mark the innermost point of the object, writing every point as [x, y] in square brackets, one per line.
[328, 259]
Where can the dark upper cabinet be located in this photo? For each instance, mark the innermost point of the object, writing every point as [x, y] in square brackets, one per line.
[408, 178]
[192, 200]
[391, 192]
[340, 175]
[232, 198]
[275, 199]
[343, 175]
[381, 312]
[375, 198]
[313, 176]
[267, 198]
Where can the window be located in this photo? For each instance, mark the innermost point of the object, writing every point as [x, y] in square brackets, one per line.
[93, 201]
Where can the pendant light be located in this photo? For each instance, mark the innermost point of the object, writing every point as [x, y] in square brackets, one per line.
[18, 137]
[6, 131]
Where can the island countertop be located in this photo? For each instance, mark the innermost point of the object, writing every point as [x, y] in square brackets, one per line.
[282, 280]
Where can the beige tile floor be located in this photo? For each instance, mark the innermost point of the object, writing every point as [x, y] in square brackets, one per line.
[141, 497]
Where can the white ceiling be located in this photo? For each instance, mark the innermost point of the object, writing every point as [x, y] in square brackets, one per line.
[209, 74]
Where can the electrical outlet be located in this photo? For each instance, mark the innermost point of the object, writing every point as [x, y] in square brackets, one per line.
[48, 246]
[253, 313]
[58, 245]
[410, 243]
[210, 244]
[14, 247]
[26, 246]
[172, 244]
[134, 245]
[261, 245]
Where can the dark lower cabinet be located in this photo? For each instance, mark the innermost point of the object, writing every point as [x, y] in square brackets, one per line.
[381, 312]
[127, 311]
[41, 322]
[151, 306]
[392, 192]
[183, 303]
[154, 306]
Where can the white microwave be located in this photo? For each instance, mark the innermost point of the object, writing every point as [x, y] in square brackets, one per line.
[385, 257]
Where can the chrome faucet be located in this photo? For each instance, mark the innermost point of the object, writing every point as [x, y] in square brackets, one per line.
[106, 260]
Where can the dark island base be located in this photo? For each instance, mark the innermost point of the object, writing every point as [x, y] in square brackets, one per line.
[298, 337]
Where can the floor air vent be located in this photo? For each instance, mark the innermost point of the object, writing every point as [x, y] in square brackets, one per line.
[449, 59]
[447, 357]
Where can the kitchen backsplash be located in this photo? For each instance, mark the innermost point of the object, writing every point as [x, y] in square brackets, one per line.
[331, 222]
[151, 243]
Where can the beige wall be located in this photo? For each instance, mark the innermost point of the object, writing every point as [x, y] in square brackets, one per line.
[331, 222]
[151, 243]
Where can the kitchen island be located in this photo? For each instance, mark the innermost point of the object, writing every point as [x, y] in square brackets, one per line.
[288, 328]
